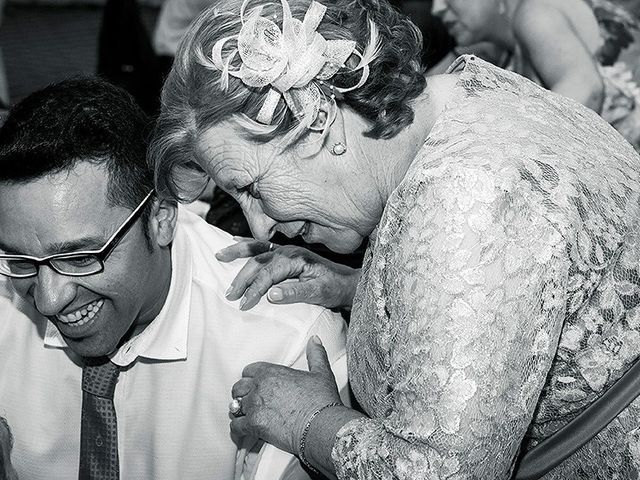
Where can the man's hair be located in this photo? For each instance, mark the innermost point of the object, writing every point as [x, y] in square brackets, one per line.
[82, 119]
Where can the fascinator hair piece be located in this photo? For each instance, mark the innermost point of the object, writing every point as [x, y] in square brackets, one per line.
[294, 61]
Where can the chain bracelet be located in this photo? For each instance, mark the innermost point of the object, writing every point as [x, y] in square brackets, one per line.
[303, 438]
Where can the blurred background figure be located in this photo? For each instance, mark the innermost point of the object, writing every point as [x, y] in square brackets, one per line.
[176, 16]
[174, 19]
[6, 442]
[584, 49]
[125, 55]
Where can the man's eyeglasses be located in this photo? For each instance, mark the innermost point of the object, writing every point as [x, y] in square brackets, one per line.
[74, 264]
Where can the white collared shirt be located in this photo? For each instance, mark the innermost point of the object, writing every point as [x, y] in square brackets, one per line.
[172, 398]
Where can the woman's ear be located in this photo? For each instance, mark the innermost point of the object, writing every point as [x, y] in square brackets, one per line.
[164, 218]
[327, 131]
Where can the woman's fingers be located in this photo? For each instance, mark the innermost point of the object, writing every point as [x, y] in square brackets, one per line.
[319, 281]
[240, 426]
[247, 275]
[277, 270]
[242, 387]
[259, 274]
[246, 247]
[296, 292]
[317, 356]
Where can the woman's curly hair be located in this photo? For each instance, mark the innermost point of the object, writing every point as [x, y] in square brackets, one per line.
[397, 76]
[193, 100]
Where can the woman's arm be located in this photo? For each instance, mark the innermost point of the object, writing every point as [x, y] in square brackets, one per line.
[475, 290]
[558, 55]
[474, 293]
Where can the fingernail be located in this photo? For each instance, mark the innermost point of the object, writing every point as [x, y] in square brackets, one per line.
[275, 294]
[243, 302]
[316, 339]
[229, 290]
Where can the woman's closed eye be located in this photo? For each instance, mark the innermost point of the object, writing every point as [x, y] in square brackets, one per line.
[251, 189]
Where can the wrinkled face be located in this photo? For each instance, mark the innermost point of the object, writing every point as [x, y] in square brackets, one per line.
[280, 192]
[68, 212]
[468, 21]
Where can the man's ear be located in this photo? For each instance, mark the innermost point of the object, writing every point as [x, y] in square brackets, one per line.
[164, 217]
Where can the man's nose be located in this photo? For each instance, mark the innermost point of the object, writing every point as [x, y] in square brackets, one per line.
[438, 7]
[52, 291]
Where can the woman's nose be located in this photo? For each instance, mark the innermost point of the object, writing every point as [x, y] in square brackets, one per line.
[262, 226]
[52, 292]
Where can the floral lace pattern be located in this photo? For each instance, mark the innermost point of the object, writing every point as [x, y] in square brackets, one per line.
[500, 293]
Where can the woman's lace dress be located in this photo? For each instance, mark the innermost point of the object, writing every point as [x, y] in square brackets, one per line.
[618, 61]
[500, 293]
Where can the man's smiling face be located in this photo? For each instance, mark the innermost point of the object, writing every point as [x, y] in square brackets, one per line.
[66, 212]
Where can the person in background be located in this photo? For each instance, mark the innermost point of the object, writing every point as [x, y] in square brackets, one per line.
[4, 85]
[572, 47]
[498, 297]
[117, 346]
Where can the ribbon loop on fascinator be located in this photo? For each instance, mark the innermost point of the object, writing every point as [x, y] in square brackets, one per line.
[291, 60]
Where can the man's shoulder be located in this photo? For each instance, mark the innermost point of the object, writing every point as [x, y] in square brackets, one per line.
[202, 234]
[214, 277]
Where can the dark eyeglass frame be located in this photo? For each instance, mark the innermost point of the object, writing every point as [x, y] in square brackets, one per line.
[100, 255]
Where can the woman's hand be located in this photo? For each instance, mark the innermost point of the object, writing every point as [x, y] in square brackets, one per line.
[277, 401]
[320, 281]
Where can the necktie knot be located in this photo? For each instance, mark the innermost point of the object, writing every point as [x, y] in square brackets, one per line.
[99, 377]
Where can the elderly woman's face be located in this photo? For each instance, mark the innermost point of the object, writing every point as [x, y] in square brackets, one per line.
[468, 21]
[279, 192]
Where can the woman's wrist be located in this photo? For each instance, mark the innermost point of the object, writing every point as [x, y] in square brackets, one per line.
[320, 436]
[305, 431]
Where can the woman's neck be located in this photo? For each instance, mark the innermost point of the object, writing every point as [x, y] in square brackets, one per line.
[389, 159]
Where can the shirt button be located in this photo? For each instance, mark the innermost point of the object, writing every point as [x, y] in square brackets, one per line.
[99, 441]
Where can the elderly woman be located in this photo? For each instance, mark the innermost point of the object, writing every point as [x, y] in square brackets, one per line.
[499, 294]
[577, 48]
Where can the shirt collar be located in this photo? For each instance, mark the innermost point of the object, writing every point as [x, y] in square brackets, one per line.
[165, 338]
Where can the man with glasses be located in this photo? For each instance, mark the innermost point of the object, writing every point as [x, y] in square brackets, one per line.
[118, 348]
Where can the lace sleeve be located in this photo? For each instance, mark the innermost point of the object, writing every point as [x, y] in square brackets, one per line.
[474, 285]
